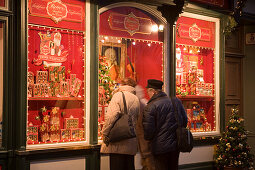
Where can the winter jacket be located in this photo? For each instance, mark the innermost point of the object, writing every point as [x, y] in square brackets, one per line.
[127, 146]
[160, 124]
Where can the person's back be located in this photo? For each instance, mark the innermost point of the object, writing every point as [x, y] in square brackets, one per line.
[160, 126]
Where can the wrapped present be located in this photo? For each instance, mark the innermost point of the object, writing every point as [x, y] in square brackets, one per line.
[71, 123]
[51, 73]
[64, 89]
[36, 90]
[61, 73]
[30, 90]
[77, 133]
[76, 89]
[65, 134]
[30, 78]
[46, 90]
[41, 77]
[55, 116]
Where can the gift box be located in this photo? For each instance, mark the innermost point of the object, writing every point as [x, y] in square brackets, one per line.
[41, 77]
[77, 133]
[61, 73]
[30, 78]
[75, 90]
[32, 133]
[51, 73]
[65, 134]
[36, 90]
[30, 90]
[64, 89]
[71, 123]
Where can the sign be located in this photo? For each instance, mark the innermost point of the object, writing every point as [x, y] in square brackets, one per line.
[250, 38]
[51, 50]
[56, 10]
[130, 23]
[193, 32]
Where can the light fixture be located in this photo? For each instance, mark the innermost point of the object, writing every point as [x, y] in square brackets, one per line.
[106, 38]
[154, 28]
[119, 41]
[161, 28]
[133, 42]
[149, 44]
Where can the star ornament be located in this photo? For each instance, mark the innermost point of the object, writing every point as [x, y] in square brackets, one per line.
[43, 109]
[54, 110]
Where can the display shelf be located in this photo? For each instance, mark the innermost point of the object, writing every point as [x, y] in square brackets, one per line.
[56, 98]
[189, 97]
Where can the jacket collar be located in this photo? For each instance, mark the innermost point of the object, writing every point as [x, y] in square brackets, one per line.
[155, 96]
[127, 88]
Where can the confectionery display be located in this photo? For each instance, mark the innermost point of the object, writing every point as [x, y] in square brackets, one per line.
[55, 86]
[196, 73]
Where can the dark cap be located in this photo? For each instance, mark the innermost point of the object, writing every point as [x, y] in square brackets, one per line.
[155, 84]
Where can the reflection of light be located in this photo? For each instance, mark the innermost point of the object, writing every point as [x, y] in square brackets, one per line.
[198, 51]
[184, 49]
[149, 44]
[133, 43]
[106, 38]
[102, 41]
[154, 28]
[161, 27]
[119, 41]
[190, 51]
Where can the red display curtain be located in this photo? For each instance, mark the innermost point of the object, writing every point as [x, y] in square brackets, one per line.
[148, 59]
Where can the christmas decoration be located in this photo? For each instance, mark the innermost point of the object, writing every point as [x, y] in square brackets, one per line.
[233, 149]
[106, 84]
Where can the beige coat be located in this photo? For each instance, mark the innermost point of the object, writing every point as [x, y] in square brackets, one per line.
[128, 146]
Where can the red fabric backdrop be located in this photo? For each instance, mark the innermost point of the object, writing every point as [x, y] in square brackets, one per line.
[148, 61]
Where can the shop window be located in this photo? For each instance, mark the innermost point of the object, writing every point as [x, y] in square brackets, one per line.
[197, 71]
[1, 77]
[131, 44]
[56, 72]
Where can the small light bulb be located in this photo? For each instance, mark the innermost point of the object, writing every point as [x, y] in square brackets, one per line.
[133, 43]
[149, 44]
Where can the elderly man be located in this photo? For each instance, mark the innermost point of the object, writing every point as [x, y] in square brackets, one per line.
[159, 123]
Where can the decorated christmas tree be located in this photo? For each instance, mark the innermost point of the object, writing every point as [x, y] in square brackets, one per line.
[106, 84]
[233, 149]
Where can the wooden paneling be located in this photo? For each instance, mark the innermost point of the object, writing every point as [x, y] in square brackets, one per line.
[235, 42]
[233, 84]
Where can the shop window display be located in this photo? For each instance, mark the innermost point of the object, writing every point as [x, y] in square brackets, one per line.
[196, 72]
[56, 72]
[130, 45]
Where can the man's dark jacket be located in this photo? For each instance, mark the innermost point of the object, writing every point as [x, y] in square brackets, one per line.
[160, 124]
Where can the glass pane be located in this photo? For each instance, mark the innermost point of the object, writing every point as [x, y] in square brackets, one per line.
[1, 78]
[196, 72]
[56, 73]
[130, 45]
